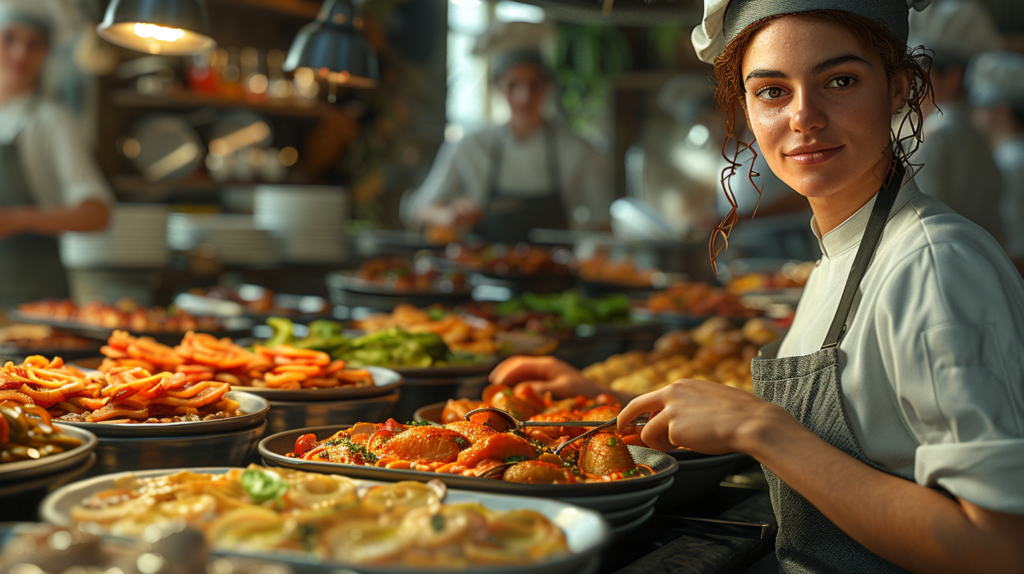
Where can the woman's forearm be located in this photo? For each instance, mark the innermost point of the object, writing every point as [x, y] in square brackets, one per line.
[912, 526]
[90, 215]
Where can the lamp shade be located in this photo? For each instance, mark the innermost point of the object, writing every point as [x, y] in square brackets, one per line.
[167, 27]
[334, 44]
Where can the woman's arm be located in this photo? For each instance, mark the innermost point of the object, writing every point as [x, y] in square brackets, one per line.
[910, 525]
[90, 215]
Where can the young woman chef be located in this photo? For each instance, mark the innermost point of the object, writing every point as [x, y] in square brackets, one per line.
[890, 419]
[528, 173]
[49, 182]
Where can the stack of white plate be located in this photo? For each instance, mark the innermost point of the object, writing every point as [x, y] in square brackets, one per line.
[308, 220]
[135, 237]
[236, 239]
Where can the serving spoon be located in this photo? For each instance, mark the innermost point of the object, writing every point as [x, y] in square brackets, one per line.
[519, 425]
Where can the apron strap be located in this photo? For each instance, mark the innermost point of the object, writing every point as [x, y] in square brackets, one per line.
[497, 153]
[884, 201]
[554, 173]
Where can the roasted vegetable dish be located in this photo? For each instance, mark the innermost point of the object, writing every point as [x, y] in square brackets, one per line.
[402, 275]
[202, 357]
[484, 446]
[698, 300]
[120, 395]
[280, 510]
[126, 314]
[716, 351]
[26, 433]
[460, 332]
[552, 314]
[520, 260]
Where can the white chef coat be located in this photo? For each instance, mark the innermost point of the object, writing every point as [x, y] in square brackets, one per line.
[933, 358]
[958, 167]
[1010, 159]
[464, 169]
[59, 168]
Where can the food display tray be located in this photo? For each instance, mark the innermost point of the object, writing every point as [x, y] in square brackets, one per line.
[586, 531]
[274, 448]
[235, 327]
[25, 469]
[253, 410]
[385, 381]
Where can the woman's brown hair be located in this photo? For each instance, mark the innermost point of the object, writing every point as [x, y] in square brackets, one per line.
[897, 59]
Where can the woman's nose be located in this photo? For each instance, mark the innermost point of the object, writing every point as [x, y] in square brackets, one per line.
[806, 113]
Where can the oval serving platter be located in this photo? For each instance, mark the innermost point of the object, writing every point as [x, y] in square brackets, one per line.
[586, 532]
[274, 448]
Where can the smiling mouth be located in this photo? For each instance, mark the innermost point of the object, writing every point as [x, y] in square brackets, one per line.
[814, 156]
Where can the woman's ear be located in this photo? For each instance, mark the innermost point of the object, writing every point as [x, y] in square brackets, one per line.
[900, 88]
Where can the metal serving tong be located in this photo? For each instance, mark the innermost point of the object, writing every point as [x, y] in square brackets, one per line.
[516, 424]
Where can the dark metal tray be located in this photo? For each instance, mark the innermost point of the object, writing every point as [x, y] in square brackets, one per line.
[273, 449]
[385, 381]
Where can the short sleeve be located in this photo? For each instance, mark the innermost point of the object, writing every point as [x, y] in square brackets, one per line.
[61, 165]
[954, 329]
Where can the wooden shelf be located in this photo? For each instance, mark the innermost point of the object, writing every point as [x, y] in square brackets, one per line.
[301, 9]
[130, 99]
[136, 187]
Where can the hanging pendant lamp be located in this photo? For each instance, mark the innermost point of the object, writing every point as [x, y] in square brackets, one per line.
[333, 45]
[165, 27]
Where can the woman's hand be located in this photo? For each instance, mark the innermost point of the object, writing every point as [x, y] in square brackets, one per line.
[545, 374]
[707, 417]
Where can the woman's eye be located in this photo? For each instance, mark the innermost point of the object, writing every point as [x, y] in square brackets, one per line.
[770, 93]
[840, 82]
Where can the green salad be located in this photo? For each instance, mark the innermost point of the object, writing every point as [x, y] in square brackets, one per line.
[569, 308]
[389, 348]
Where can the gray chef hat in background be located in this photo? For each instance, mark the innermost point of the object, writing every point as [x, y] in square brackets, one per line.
[725, 19]
[997, 78]
[512, 43]
[955, 31]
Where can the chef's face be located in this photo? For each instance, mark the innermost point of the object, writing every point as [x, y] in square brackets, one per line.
[22, 54]
[819, 104]
[525, 87]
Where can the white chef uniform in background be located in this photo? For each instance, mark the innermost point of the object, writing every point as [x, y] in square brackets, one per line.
[996, 81]
[958, 167]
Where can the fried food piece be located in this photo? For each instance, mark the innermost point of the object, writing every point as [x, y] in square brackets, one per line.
[473, 432]
[604, 454]
[501, 447]
[456, 410]
[425, 444]
[539, 472]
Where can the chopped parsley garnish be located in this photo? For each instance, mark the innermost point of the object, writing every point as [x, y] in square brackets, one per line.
[418, 423]
[461, 442]
[437, 522]
[368, 457]
[613, 442]
[307, 533]
[516, 458]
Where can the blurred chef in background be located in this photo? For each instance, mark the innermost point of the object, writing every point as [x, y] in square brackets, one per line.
[958, 168]
[529, 173]
[996, 82]
[49, 181]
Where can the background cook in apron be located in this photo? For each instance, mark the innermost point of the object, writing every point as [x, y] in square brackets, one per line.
[49, 182]
[528, 173]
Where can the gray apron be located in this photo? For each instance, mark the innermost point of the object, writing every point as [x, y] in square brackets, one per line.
[508, 218]
[809, 388]
[30, 263]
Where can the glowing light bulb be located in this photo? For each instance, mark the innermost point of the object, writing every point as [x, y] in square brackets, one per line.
[159, 33]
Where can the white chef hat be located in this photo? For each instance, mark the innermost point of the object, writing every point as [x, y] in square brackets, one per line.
[44, 15]
[511, 43]
[996, 78]
[955, 30]
[725, 19]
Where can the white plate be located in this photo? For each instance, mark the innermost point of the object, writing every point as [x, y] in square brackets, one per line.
[586, 532]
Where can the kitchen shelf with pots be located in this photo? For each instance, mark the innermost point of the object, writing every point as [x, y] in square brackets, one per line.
[126, 98]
